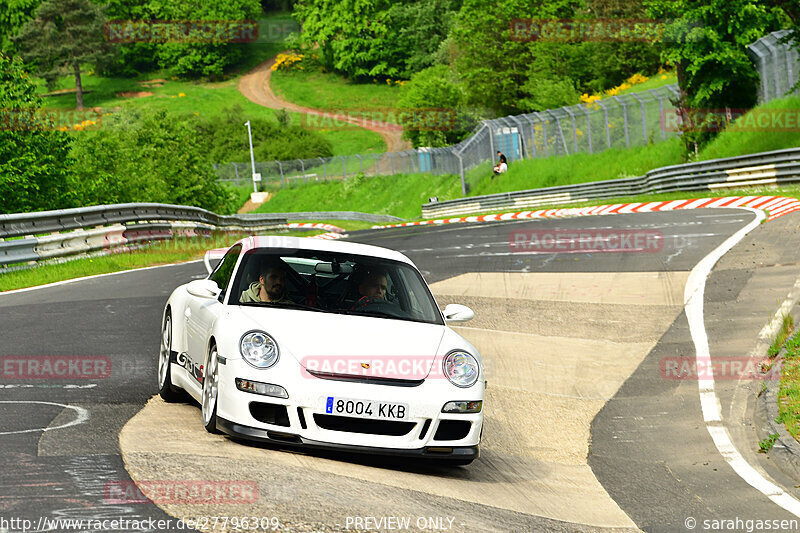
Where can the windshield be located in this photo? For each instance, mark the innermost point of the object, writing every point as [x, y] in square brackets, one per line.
[334, 283]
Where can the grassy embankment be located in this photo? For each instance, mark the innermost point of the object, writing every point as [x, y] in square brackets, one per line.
[402, 195]
[201, 98]
[157, 253]
[789, 391]
[324, 90]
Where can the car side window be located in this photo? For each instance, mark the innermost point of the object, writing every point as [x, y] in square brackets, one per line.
[222, 274]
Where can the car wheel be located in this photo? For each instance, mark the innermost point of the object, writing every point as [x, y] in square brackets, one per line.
[210, 391]
[167, 391]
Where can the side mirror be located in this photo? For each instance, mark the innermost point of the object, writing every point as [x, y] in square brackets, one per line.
[204, 288]
[458, 313]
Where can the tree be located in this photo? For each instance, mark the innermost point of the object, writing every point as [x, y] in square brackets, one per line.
[439, 99]
[493, 64]
[63, 36]
[365, 39]
[512, 75]
[204, 57]
[224, 139]
[129, 59]
[34, 162]
[13, 14]
[707, 42]
[144, 156]
[791, 8]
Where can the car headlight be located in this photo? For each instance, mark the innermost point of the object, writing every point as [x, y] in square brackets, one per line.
[461, 369]
[259, 349]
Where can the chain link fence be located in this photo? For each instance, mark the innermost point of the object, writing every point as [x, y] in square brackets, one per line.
[778, 65]
[625, 121]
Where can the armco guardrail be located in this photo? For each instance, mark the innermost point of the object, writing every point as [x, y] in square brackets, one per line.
[766, 168]
[336, 215]
[50, 234]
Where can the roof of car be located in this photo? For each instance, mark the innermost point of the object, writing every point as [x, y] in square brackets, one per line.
[307, 243]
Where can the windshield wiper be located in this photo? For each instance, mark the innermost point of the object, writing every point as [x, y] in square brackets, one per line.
[379, 314]
[286, 305]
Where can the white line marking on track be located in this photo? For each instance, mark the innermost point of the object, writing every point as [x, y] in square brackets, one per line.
[81, 417]
[693, 302]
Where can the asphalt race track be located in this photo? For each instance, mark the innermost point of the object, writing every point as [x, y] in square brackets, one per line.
[583, 429]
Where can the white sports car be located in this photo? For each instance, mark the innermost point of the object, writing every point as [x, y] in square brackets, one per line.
[335, 345]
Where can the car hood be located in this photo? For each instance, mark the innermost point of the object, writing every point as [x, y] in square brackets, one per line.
[330, 343]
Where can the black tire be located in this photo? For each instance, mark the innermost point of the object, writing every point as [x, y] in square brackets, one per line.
[208, 405]
[167, 391]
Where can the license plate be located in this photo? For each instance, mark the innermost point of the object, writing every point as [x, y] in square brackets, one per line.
[365, 408]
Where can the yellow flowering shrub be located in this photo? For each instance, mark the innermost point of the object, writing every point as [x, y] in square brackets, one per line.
[286, 61]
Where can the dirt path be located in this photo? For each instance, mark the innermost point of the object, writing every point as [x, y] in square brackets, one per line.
[249, 207]
[255, 86]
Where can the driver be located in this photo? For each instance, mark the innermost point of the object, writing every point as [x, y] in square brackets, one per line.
[371, 289]
[270, 287]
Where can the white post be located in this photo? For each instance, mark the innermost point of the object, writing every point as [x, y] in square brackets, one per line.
[252, 157]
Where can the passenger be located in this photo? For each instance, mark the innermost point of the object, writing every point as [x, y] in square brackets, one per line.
[270, 287]
[373, 286]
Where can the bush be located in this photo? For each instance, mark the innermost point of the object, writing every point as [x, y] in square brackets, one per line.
[210, 59]
[224, 139]
[142, 156]
[34, 168]
[434, 89]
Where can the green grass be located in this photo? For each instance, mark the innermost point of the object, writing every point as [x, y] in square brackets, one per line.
[403, 195]
[413, 190]
[655, 81]
[576, 168]
[201, 99]
[354, 141]
[787, 326]
[206, 99]
[789, 391]
[744, 138]
[325, 90]
[159, 253]
[398, 195]
[767, 443]
[242, 192]
[348, 225]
